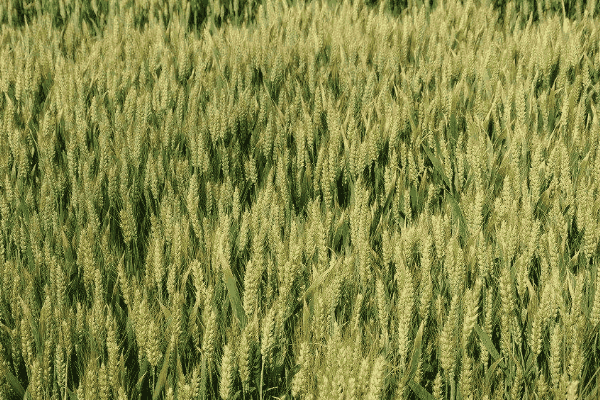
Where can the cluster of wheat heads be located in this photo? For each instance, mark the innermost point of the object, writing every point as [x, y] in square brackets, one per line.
[326, 203]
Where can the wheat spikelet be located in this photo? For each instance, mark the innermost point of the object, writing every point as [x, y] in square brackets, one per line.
[267, 340]
[515, 391]
[177, 318]
[153, 352]
[555, 355]
[426, 291]
[227, 372]
[128, 221]
[535, 337]
[447, 341]
[439, 235]
[91, 382]
[124, 283]
[94, 320]
[407, 207]
[26, 342]
[171, 277]
[507, 299]
[595, 309]
[60, 367]
[81, 390]
[466, 377]
[252, 280]
[438, 392]
[176, 247]
[246, 357]
[471, 313]
[387, 248]
[192, 204]
[209, 338]
[112, 350]
[103, 387]
[300, 379]
[243, 232]
[590, 237]
[376, 383]
[576, 358]
[35, 383]
[381, 304]
[405, 309]
[85, 257]
[454, 264]
[158, 263]
[572, 390]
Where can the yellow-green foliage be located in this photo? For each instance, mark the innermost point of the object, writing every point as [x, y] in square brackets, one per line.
[328, 202]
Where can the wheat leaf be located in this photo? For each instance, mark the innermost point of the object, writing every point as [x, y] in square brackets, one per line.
[162, 377]
[318, 281]
[420, 391]
[203, 376]
[438, 166]
[234, 295]
[491, 371]
[14, 383]
[487, 342]
[416, 356]
[459, 214]
[142, 374]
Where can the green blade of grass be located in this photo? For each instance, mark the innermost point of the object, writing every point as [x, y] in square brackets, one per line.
[491, 371]
[194, 311]
[15, 384]
[234, 295]
[487, 342]
[420, 391]
[416, 355]
[162, 377]
[453, 137]
[32, 323]
[203, 376]
[459, 214]
[142, 374]
[438, 166]
[317, 282]
[306, 317]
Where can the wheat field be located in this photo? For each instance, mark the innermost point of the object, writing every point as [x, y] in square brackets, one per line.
[309, 200]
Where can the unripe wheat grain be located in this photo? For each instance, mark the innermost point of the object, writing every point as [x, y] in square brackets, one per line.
[227, 372]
